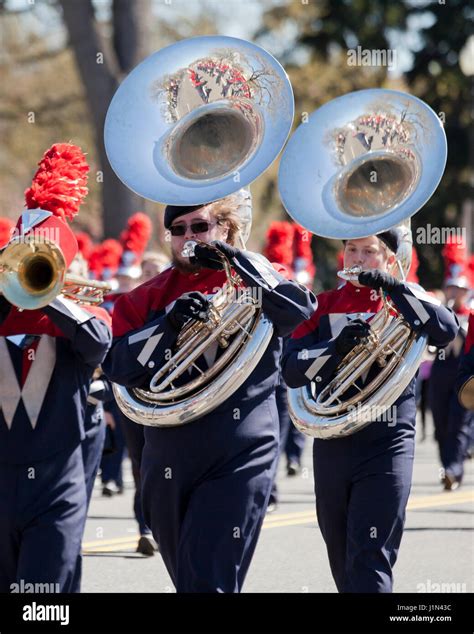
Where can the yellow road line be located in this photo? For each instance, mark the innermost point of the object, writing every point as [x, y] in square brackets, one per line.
[290, 519]
[116, 548]
[112, 540]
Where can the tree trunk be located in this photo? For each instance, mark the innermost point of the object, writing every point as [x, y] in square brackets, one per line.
[100, 84]
[131, 23]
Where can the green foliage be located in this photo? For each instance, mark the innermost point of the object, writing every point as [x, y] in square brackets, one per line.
[326, 30]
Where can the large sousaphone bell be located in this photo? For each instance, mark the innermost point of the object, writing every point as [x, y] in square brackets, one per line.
[198, 120]
[361, 164]
[193, 123]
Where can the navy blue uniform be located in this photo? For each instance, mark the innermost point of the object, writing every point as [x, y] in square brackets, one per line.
[466, 367]
[47, 358]
[205, 485]
[362, 481]
[100, 391]
[466, 370]
[111, 465]
[452, 422]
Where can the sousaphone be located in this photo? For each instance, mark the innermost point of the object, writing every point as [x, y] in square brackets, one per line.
[361, 164]
[193, 123]
[198, 120]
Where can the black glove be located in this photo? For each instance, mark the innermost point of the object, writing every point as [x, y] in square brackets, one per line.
[207, 258]
[351, 335]
[5, 308]
[192, 305]
[378, 279]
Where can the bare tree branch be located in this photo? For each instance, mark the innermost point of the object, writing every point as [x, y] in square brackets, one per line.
[100, 83]
[131, 21]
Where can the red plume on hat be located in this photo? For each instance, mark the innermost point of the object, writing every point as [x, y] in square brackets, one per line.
[303, 264]
[414, 264]
[6, 227]
[134, 240]
[456, 271]
[84, 244]
[279, 246]
[95, 262]
[470, 267]
[110, 253]
[58, 187]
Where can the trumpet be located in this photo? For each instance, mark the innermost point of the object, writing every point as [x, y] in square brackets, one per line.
[33, 273]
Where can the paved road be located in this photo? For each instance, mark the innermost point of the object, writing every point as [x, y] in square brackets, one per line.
[437, 547]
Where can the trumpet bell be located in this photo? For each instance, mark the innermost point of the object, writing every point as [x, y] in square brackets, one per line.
[198, 120]
[362, 163]
[32, 274]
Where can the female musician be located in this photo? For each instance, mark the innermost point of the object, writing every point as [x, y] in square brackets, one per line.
[362, 481]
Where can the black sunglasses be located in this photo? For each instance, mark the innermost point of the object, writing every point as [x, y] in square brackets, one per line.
[200, 226]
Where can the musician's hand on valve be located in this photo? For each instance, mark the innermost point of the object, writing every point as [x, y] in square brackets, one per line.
[351, 335]
[208, 258]
[193, 305]
[378, 279]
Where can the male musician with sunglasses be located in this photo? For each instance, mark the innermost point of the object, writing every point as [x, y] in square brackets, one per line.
[206, 484]
[362, 481]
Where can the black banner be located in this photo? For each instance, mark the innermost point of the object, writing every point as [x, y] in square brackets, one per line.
[293, 613]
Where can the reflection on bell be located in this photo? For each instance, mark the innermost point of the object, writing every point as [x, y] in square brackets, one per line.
[198, 120]
[363, 163]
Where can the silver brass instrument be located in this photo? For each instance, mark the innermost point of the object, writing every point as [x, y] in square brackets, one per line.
[33, 273]
[198, 120]
[194, 123]
[363, 163]
[237, 324]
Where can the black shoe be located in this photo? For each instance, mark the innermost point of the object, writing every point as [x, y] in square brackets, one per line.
[293, 469]
[109, 489]
[451, 483]
[271, 508]
[146, 546]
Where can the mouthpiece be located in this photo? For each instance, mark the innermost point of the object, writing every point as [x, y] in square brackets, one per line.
[188, 249]
[350, 275]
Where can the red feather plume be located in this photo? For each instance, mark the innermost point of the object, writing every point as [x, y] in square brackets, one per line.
[111, 251]
[137, 234]
[340, 260]
[454, 252]
[59, 185]
[279, 247]
[6, 226]
[84, 243]
[302, 243]
[415, 263]
[105, 256]
[470, 268]
[95, 261]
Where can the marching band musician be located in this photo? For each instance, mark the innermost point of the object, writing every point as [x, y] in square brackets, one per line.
[134, 240]
[206, 485]
[362, 481]
[452, 422]
[465, 377]
[47, 359]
